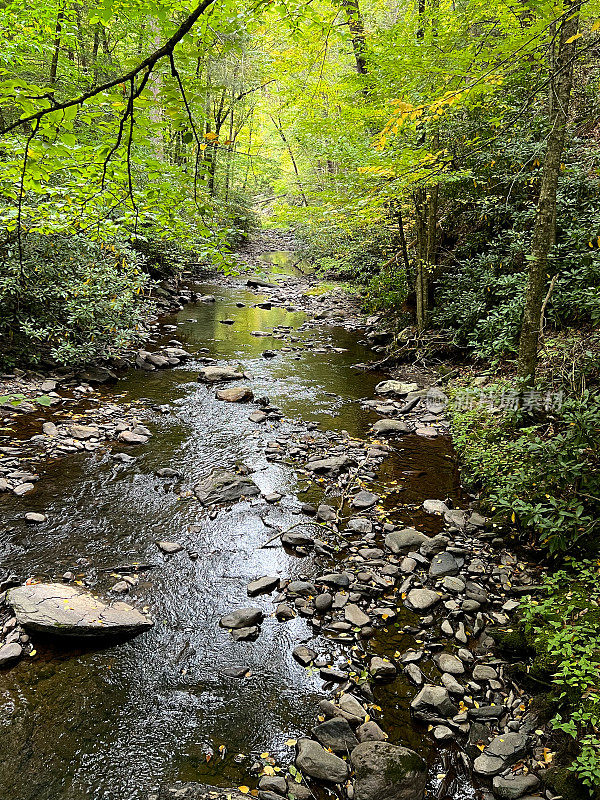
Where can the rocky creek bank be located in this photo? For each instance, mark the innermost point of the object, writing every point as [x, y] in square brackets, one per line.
[404, 597]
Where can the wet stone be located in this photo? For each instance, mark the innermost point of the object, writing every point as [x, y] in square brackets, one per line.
[242, 618]
[384, 770]
[317, 763]
[422, 599]
[336, 734]
[304, 655]
[9, 653]
[262, 585]
[443, 564]
[169, 547]
[404, 540]
[66, 610]
[364, 499]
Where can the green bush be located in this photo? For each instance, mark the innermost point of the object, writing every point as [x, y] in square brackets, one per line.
[543, 476]
[566, 629]
[68, 300]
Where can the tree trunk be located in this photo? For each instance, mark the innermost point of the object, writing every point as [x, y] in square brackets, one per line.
[357, 32]
[545, 223]
[57, 33]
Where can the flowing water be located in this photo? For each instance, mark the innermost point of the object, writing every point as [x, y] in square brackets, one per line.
[114, 722]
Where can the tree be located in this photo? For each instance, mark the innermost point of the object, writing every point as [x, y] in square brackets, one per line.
[544, 232]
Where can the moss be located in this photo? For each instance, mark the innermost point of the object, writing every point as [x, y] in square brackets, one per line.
[564, 783]
[514, 642]
[399, 767]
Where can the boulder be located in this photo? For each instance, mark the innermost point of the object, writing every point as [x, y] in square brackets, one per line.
[169, 547]
[225, 487]
[384, 771]
[304, 655]
[355, 615]
[83, 432]
[314, 761]
[69, 611]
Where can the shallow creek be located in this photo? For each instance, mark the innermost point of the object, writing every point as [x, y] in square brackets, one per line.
[119, 721]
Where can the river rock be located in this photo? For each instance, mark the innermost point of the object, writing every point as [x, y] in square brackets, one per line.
[446, 662]
[238, 394]
[511, 787]
[129, 437]
[336, 734]
[422, 599]
[329, 466]
[213, 374]
[364, 499]
[385, 771]
[435, 507]
[242, 618]
[404, 540]
[396, 387]
[169, 547]
[355, 615]
[304, 655]
[262, 585]
[433, 698]
[50, 429]
[314, 761]
[32, 516]
[10, 653]
[503, 751]
[370, 732]
[83, 432]
[387, 427]
[69, 611]
[443, 564]
[381, 669]
[260, 283]
[225, 487]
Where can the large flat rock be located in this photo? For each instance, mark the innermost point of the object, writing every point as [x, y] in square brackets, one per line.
[69, 611]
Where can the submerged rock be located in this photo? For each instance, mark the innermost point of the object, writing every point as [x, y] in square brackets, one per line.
[385, 771]
[69, 611]
[396, 387]
[387, 427]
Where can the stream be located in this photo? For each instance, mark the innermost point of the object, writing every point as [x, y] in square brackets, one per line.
[117, 722]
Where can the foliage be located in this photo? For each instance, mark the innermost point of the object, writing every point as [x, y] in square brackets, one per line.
[566, 626]
[69, 299]
[542, 475]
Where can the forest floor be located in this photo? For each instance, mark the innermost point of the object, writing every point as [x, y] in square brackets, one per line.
[403, 586]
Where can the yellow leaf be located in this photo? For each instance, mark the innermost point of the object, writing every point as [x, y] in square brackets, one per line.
[573, 38]
[291, 743]
[244, 789]
[268, 770]
[264, 755]
[596, 26]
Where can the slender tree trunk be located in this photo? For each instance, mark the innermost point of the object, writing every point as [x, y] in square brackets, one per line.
[56, 47]
[284, 139]
[544, 231]
[357, 32]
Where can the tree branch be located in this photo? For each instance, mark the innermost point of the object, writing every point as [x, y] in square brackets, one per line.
[147, 64]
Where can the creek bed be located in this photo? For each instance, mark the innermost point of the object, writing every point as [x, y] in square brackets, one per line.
[116, 722]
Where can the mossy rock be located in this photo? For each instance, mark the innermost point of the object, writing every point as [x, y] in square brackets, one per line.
[514, 642]
[565, 784]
